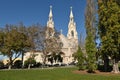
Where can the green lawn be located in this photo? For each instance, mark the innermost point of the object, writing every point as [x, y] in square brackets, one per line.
[52, 74]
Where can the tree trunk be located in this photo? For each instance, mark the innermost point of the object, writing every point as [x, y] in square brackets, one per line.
[44, 58]
[10, 67]
[22, 59]
[106, 63]
[44, 61]
[29, 66]
[115, 66]
[10, 63]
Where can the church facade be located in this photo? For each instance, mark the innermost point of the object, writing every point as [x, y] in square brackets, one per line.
[70, 42]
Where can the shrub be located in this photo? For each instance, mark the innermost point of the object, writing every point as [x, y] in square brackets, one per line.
[38, 64]
[18, 64]
[1, 65]
[30, 62]
[80, 58]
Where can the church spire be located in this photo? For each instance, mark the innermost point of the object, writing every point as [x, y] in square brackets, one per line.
[50, 22]
[50, 25]
[50, 14]
[72, 32]
[71, 13]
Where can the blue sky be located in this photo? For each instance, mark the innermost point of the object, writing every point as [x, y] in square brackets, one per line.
[36, 11]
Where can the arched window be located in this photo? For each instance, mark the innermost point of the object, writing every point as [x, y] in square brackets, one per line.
[72, 33]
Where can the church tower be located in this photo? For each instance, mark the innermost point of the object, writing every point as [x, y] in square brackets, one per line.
[50, 25]
[50, 22]
[72, 32]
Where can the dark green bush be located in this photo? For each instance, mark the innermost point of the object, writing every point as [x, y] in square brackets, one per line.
[1, 65]
[38, 64]
[18, 64]
[30, 62]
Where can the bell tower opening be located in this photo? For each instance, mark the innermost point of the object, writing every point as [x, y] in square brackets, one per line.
[72, 33]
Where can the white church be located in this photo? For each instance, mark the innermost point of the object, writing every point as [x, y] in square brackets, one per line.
[70, 43]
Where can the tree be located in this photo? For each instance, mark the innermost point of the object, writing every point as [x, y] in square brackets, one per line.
[90, 18]
[37, 35]
[91, 53]
[109, 30]
[80, 58]
[44, 39]
[13, 42]
[80, 55]
[23, 29]
[30, 61]
[52, 43]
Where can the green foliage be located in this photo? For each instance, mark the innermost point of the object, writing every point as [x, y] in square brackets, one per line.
[1, 65]
[90, 46]
[80, 58]
[18, 64]
[30, 61]
[91, 52]
[1, 38]
[38, 64]
[109, 28]
[13, 42]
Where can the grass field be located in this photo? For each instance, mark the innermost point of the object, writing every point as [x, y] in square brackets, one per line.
[52, 74]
